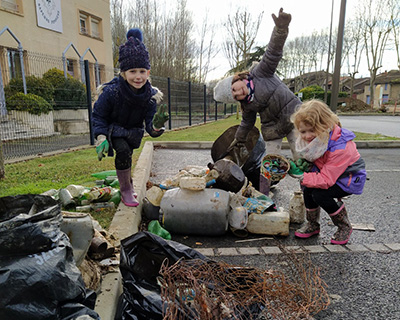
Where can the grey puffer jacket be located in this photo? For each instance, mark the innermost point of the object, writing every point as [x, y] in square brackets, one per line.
[272, 98]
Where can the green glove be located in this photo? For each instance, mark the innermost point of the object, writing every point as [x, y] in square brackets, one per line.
[161, 117]
[295, 171]
[304, 165]
[102, 146]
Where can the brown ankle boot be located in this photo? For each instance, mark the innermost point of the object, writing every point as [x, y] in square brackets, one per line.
[341, 220]
[312, 225]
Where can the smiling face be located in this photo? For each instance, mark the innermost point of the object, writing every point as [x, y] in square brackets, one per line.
[239, 90]
[307, 132]
[137, 77]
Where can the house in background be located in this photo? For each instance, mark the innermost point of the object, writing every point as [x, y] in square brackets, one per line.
[387, 89]
[49, 31]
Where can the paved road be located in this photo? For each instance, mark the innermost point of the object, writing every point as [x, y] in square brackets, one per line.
[363, 277]
[386, 125]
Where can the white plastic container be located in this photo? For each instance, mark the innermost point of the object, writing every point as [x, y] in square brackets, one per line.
[202, 212]
[297, 210]
[193, 183]
[238, 217]
[269, 223]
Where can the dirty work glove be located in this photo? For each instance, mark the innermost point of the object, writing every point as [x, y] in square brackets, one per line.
[101, 146]
[295, 171]
[239, 152]
[304, 165]
[283, 20]
[156, 132]
[161, 117]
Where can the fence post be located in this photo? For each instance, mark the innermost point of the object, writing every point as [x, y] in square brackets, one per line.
[169, 103]
[205, 104]
[190, 103]
[89, 100]
[3, 107]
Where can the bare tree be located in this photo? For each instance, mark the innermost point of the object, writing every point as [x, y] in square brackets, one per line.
[206, 50]
[118, 28]
[353, 42]
[395, 22]
[242, 32]
[375, 18]
[166, 34]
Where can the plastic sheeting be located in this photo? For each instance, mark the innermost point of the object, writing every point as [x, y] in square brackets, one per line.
[141, 257]
[38, 275]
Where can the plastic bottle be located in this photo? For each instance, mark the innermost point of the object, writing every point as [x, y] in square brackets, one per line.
[269, 223]
[104, 174]
[155, 228]
[75, 190]
[115, 197]
[109, 180]
[297, 210]
[66, 199]
[99, 206]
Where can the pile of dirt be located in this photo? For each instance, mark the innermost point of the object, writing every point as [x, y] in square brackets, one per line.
[353, 105]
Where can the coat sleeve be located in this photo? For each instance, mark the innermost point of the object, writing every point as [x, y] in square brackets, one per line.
[249, 118]
[102, 113]
[335, 163]
[151, 111]
[273, 54]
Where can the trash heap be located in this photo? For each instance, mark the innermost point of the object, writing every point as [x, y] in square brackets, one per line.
[93, 247]
[104, 195]
[209, 201]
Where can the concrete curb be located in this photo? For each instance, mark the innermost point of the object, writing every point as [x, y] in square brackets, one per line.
[127, 219]
[126, 222]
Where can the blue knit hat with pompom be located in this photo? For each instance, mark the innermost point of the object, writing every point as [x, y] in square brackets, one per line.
[133, 53]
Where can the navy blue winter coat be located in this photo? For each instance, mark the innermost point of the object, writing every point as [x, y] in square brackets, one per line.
[120, 112]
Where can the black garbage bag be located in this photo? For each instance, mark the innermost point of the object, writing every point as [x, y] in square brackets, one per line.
[141, 257]
[38, 275]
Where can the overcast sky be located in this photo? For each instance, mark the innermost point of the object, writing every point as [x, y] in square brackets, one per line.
[307, 16]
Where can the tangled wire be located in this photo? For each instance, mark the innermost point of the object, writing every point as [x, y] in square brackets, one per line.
[205, 290]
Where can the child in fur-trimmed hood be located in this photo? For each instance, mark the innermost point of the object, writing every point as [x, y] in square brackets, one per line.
[125, 108]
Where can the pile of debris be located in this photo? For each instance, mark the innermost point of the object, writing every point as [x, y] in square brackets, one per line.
[353, 105]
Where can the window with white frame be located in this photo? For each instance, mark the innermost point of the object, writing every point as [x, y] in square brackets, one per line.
[83, 23]
[11, 5]
[95, 28]
[90, 25]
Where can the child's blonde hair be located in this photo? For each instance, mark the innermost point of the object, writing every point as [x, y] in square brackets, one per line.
[318, 115]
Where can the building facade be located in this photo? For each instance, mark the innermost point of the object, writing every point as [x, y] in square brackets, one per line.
[56, 33]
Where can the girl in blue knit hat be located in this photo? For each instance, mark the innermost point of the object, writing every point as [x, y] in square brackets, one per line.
[125, 108]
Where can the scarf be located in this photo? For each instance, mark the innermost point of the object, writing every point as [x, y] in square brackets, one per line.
[311, 151]
[250, 85]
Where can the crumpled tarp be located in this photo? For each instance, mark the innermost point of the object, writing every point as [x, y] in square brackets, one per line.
[38, 275]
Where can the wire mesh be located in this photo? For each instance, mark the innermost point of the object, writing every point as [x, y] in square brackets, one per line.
[198, 289]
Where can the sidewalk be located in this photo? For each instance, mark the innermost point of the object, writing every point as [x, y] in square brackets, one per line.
[127, 220]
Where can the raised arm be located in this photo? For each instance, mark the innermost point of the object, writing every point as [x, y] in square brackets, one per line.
[273, 54]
